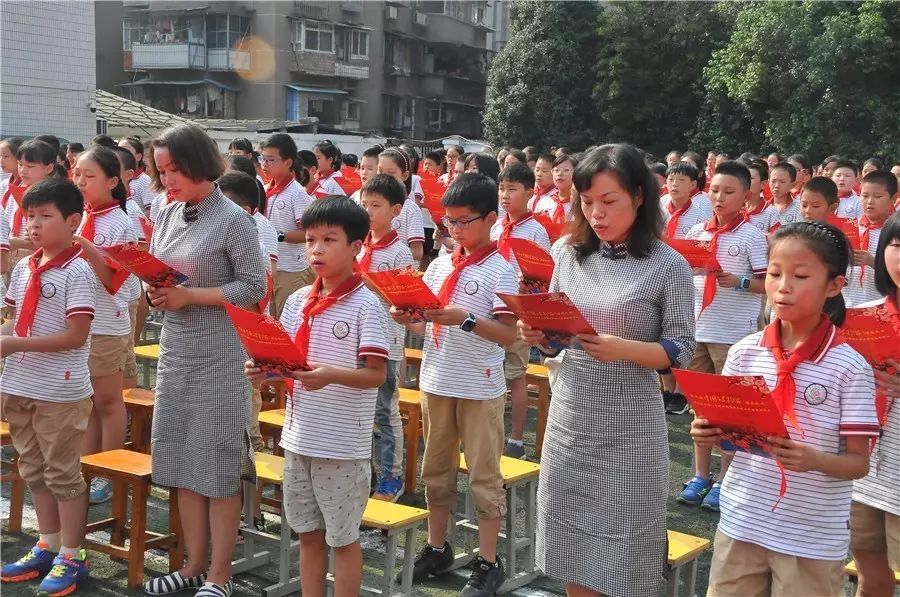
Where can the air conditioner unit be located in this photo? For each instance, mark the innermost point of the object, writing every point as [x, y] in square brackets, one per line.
[421, 19]
[391, 12]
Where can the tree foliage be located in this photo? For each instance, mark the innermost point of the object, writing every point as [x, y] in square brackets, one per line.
[539, 85]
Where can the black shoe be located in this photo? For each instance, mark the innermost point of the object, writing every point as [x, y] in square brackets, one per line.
[678, 404]
[485, 580]
[431, 562]
[667, 399]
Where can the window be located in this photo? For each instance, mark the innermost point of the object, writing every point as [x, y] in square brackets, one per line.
[353, 110]
[134, 29]
[317, 37]
[359, 44]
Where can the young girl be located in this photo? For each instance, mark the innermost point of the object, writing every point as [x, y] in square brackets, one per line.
[328, 170]
[454, 153]
[10, 167]
[558, 205]
[408, 224]
[140, 185]
[98, 177]
[796, 545]
[128, 167]
[307, 162]
[36, 161]
[875, 512]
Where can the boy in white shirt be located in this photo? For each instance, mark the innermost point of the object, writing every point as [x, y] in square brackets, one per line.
[684, 206]
[844, 176]
[782, 177]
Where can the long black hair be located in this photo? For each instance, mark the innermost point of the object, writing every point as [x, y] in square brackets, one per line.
[109, 162]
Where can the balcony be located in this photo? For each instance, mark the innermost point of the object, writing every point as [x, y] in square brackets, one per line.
[438, 87]
[184, 55]
[351, 5]
[443, 28]
[311, 8]
[327, 65]
[227, 59]
[351, 70]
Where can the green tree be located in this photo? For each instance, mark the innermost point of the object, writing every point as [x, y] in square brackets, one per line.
[539, 85]
[649, 69]
[814, 77]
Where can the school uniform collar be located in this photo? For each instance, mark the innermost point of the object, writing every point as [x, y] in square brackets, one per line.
[519, 222]
[833, 338]
[486, 257]
[105, 210]
[356, 287]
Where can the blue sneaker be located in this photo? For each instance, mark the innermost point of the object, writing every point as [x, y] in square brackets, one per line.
[63, 579]
[711, 501]
[694, 491]
[33, 564]
[101, 491]
[389, 489]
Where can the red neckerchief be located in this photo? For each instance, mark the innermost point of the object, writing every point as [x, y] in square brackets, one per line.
[709, 287]
[460, 262]
[13, 182]
[845, 194]
[369, 248]
[18, 219]
[318, 179]
[316, 304]
[784, 207]
[559, 212]
[785, 391]
[675, 214]
[539, 192]
[274, 187]
[746, 213]
[90, 220]
[508, 225]
[25, 319]
[864, 236]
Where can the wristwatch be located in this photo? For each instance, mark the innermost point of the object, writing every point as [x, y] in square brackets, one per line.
[281, 237]
[744, 283]
[468, 323]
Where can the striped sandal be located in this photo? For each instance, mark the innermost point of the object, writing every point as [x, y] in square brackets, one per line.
[213, 590]
[173, 583]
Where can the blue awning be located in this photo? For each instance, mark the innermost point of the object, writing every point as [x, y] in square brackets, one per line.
[144, 82]
[323, 90]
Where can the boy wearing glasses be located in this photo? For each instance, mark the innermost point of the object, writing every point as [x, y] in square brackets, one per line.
[462, 380]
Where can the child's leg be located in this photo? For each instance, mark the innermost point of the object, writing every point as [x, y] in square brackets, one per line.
[304, 516]
[256, 440]
[342, 503]
[349, 561]
[739, 569]
[440, 464]
[313, 563]
[718, 354]
[106, 430]
[702, 362]
[792, 575]
[387, 417]
[142, 311]
[515, 366]
[869, 544]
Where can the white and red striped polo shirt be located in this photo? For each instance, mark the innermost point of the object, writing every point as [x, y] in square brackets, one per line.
[327, 186]
[860, 287]
[529, 229]
[788, 214]
[285, 212]
[335, 421]
[850, 207]
[409, 224]
[834, 399]
[396, 255]
[763, 219]
[699, 211]
[141, 191]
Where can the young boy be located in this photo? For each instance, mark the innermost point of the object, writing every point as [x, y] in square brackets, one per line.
[844, 176]
[683, 208]
[879, 191]
[367, 168]
[46, 384]
[382, 197]
[543, 182]
[757, 211]
[516, 183]
[339, 325]
[462, 382]
[733, 311]
[782, 177]
[818, 200]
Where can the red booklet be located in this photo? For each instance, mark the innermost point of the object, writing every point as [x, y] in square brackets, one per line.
[404, 289]
[433, 191]
[266, 342]
[140, 262]
[740, 405]
[554, 229]
[349, 180]
[551, 312]
[696, 252]
[535, 263]
[870, 332]
[848, 227]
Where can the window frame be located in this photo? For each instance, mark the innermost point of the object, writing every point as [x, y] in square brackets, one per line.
[360, 36]
[318, 28]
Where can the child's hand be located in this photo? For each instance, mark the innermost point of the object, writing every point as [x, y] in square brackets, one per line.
[886, 382]
[604, 348]
[253, 373]
[10, 345]
[794, 456]
[169, 299]
[82, 241]
[861, 257]
[401, 316]
[530, 335]
[703, 434]
[318, 378]
[449, 315]
[726, 280]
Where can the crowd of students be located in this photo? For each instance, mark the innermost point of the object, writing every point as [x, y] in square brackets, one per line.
[291, 232]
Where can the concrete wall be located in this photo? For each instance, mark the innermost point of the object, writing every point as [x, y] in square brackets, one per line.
[47, 68]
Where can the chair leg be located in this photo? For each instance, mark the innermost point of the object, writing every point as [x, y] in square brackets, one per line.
[412, 449]
[138, 535]
[176, 550]
[16, 502]
[119, 512]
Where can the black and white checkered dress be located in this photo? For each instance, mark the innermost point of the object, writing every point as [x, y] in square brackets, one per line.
[199, 438]
[605, 462]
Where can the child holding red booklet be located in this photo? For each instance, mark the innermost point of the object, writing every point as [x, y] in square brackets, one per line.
[382, 197]
[819, 200]
[338, 324]
[793, 542]
[516, 183]
[875, 511]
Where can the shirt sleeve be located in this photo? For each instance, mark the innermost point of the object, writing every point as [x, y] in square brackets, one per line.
[291, 313]
[415, 229]
[9, 299]
[242, 246]
[758, 253]
[372, 330]
[732, 361]
[541, 238]
[403, 259]
[677, 313]
[858, 403]
[299, 203]
[81, 291]
[507, 283]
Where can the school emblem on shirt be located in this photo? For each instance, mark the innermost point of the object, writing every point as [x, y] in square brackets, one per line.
[471, 287]
[383, 266]
[815, 394]
[341, 330]
[789, 218]
[100, 239]
[48, 290]
[280, 204]
[734, 250]
[395, 224]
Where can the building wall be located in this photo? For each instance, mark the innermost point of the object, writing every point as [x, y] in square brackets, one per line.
[48, 69]
[108, 16]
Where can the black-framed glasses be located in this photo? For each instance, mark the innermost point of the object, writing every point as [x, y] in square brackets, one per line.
[460, 224]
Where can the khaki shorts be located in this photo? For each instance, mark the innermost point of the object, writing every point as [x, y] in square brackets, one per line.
[709, 357]
[516, 362]
[286, 284]
[108, 354]
[742, 569]
[329, 494]
[130, 370]
[478, 425]
[875, 530]
[47, 436]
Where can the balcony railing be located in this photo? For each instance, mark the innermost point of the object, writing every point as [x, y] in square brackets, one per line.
[168, 55]
[312, 9]
[351, 71]
[227, 59]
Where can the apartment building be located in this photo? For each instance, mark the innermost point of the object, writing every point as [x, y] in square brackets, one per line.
[405, 68]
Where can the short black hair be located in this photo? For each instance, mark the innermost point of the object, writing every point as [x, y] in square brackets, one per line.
[337, 210]
[239, 163]
[473, 190]
[823, 186]
[518, 154]
[386, 186]
[104, 140]
[785, 167]
[760, 166]
[800, 159]
[59, 192]
[51, 140]
[890, 232]
[546, 157]
[518, 173]
[13, 143]
[240, 188]
[531, 153]
[76, 147]
[848, 164]
[486, 164]
[736, 169]
[884, 178]
[683, 169]
[350, 159]
[659, 169]
[879, 165]
[192, 151]
[373, 152]
[125, 157]
[36, 152]
[241, 144]
[831, 158]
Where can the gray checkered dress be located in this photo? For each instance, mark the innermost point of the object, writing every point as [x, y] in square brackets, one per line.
[605, 462]
[199, 437]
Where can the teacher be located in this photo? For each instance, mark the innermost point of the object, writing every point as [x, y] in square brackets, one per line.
[604, 469]
[199, 441]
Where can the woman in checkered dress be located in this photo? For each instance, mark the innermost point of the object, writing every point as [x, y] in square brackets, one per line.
[604, 468]
[199, 439]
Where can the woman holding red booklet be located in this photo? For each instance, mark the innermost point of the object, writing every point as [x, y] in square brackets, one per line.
[604, 468]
